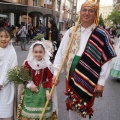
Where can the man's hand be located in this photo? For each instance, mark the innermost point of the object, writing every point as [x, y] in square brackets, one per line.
[48, 95]
[1, 87]
[54, 81]
[98, 90]
[33, 88]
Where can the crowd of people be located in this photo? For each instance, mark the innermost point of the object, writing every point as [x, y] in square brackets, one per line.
[37, 61]
[23, 34]
[87, 67]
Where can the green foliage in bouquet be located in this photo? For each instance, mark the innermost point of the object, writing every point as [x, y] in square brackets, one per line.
[18, 75]
[38, 37]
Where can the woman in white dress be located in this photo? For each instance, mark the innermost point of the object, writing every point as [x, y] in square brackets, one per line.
[115, 68]
[8, 59]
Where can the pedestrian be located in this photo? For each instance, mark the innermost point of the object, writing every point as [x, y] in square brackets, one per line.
[118, 33]
[51, 31]
[8, 59]
[52, 35]
[30, 33]
[16, 35]
[23, 34]
[37, 91]
[87, 63]
[115, 66]
[41, 28]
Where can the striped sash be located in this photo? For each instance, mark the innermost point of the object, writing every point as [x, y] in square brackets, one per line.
[98, 51]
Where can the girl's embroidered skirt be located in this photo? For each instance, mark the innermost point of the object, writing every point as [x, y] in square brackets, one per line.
[34, 102]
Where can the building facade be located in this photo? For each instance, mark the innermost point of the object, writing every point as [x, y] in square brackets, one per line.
[105, 11]
[31, 12]
[68, 13]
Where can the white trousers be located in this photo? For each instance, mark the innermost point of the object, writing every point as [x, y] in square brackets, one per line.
[75, 116]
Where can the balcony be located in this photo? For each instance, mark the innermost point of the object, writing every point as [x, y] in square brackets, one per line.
[49, 6]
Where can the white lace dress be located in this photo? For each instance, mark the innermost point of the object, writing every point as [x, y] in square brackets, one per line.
[115, 67]
[8, 59]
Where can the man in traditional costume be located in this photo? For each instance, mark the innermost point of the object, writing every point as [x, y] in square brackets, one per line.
[87, 64]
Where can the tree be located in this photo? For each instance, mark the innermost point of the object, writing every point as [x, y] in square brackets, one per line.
[114, 17]
[77, 16]
[101, 21]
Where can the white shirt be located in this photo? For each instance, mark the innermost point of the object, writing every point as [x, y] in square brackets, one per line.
[85, 34]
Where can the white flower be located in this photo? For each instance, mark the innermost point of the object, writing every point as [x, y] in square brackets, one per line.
[84, 113]
[85, 103]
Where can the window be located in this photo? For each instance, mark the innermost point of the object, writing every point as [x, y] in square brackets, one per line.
[26, 2]
[34, 2]
[19, 1]
[38, 2]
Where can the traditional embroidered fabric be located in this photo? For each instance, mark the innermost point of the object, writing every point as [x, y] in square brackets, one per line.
[98, 51]
[34, 102]
[73, 50]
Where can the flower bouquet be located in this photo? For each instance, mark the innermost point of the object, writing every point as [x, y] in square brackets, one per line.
[38, 37]
[18, 75]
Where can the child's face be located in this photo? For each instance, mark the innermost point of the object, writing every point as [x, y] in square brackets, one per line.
[4, 39]
[38, 52]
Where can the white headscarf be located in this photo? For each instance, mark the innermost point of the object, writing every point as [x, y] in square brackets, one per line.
[45, 62]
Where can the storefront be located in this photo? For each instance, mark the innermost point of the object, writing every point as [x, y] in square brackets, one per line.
[17, 13]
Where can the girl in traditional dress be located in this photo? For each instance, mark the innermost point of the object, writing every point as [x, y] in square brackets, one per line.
[8, 59]
[115, 66]
[37, 91]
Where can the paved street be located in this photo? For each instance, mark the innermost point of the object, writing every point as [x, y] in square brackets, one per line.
[106, 108]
